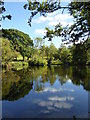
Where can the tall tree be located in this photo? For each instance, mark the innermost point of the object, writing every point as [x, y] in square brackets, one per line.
[38, 42]
[66, 56]
[19, 40]
[79, 55]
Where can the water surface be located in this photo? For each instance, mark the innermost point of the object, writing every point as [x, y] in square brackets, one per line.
[46, 92]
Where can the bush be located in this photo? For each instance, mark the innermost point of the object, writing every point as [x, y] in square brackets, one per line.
[56, 62]
[38, 62]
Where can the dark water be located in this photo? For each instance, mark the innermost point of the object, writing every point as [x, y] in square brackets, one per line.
[46, 92]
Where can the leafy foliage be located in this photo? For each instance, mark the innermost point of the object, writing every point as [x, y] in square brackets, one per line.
[79, 55]
[20, 41]
[81, 26]
[42, 8]
[79, 10]
[7, 53]
[2, 10]
[66, 56]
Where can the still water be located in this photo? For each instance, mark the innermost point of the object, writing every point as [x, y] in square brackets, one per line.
[46, 92]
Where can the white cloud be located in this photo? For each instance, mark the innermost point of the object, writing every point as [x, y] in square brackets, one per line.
[63, 17]
[54, 18]
[53, 23]
[40, 31]
[45, 103]
[64, 23]
[42, 19]
[56, 98]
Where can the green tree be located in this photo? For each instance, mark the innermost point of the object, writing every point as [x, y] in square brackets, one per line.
[80, 12]
[50, 52]
[38, 41]
[87, 46]
[42, 51]
[79, 55]
[19, 40]
[66, 56]
[8, 54]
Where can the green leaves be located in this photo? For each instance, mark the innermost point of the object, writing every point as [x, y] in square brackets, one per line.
[65, 55]
[81, 12]
[7, 53]
[2, 10]
[42, 8]
[19, 40]
[52, 33]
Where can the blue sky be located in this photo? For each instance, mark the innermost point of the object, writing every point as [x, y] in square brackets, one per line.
[20, 17]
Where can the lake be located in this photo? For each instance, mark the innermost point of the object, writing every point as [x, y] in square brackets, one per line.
[46, 92]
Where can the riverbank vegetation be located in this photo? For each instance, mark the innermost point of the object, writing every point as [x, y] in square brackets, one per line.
[19, 51]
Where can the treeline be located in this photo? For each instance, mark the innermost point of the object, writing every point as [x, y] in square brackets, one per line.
[18, 46]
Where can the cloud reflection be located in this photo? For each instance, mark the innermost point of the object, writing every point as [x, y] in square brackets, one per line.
[56, 98]
[54, 103]
[54, 90]
[63, 105]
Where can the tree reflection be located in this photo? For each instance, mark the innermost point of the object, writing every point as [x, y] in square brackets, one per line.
[16, 85]
[81, 76]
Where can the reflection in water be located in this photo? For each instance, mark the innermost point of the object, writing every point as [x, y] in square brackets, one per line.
[51, 90]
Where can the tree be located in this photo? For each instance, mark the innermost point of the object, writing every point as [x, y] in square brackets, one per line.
[51, 51]
[81, 26]
[19, 40]
[42, 8]
[66, 56]
[38, 41]
[79, 10]
[79, 55]
[42, 51]
[47, 52]
[7, 53]
[87, 47]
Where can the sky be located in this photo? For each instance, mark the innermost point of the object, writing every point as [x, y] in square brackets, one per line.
[20, 17]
